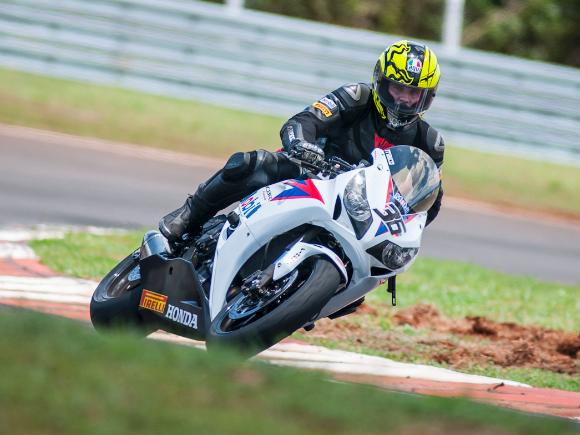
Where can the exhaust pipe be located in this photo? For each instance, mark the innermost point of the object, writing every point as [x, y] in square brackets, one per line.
[154, 243]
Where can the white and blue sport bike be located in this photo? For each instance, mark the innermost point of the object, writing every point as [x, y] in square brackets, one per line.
[289, 254]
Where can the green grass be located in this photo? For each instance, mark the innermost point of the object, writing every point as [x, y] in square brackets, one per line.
[457, 289]
[86, 255]
[60, 377]
[190, 126]
[128, 116]
[536, 377]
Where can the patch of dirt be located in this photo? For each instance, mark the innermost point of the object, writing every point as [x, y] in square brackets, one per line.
[458, 342]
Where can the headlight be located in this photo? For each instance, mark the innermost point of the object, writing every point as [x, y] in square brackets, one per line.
[395, 257]
[355, 198]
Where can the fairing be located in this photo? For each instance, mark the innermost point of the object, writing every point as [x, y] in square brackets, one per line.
[281, 207]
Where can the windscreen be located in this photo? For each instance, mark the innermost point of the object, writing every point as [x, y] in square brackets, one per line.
[415, 177]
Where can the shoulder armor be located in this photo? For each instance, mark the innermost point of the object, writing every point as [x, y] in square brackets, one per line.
[434, 144]
[354, 95]
[344, 103]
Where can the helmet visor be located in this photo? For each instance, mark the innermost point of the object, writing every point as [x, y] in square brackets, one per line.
[403, 99]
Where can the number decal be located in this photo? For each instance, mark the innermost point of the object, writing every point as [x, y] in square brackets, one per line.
[392, 219]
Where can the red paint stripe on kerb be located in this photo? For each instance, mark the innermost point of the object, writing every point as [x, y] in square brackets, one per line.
[26, 268]
[536, 400]
[70, 311]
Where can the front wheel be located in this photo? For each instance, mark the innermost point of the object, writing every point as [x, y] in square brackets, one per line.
[116, 299]
[251, 325]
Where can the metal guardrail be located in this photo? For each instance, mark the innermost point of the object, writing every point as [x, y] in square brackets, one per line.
[276, 64]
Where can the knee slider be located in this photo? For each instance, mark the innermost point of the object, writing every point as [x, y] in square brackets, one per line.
[239, 165]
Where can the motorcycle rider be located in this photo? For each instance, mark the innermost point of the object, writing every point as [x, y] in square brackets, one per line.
[348, 123]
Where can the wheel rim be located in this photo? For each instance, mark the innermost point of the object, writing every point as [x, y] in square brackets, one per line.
[245, 308]
[244, 305]
[122, 284]
[124, 280]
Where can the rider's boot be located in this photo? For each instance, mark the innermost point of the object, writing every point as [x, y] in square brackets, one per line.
[187, 219]
[243, 174]
[209, 198]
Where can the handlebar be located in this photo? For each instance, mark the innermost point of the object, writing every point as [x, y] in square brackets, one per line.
[329, 167]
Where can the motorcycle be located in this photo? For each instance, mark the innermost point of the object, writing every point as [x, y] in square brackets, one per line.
[291, 253]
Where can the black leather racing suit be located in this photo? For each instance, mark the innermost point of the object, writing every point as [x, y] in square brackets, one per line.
[344, 123]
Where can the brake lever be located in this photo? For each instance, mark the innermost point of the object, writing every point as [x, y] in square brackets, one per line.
[342, 164]
[303, 163]
[331, 167]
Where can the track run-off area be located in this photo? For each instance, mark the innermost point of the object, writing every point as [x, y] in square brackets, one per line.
[26, 283]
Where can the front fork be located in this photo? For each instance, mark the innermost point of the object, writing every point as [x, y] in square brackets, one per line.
[299, 252]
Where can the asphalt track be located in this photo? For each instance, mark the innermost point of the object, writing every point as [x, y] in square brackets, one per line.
[58, 179]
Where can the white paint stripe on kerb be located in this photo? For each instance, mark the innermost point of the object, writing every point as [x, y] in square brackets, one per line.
[52, 285]
[171, 338]
[45, 297]
[16, 251]
[319, 358]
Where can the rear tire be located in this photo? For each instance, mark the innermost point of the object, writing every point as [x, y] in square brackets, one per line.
[301, 306]
[115, 301]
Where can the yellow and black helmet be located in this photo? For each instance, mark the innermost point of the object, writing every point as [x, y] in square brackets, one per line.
[404, 82]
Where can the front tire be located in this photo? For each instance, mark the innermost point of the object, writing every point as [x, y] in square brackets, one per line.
[300, 307]
[116, 299]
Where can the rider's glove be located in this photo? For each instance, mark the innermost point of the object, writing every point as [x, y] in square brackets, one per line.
[308, 151]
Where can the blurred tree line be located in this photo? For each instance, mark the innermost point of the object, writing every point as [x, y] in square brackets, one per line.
[539, 29]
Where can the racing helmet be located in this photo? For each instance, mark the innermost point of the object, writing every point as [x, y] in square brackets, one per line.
[404, 82]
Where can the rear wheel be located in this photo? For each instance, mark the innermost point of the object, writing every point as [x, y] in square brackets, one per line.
[116, 299]
[251, 324]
